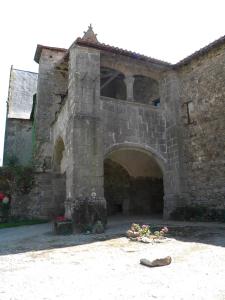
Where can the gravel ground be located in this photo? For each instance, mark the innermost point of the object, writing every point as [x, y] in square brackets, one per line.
[36, 265]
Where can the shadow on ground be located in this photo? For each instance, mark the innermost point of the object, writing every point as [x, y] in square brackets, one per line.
[41, 237]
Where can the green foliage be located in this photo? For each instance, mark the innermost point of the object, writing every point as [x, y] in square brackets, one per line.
[138, 233]
[98, 227]
[135, 227]
[11, 161]
[16, 179]
[145, 231]
[86, 213]
[4, 211]
[198, 213]
[21, 223]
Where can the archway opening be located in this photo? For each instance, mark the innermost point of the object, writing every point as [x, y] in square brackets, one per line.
[112, 84]
[146, 90]
[133, 183]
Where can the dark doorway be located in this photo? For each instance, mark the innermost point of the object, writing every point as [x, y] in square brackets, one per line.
[133, 183]
[116, 186]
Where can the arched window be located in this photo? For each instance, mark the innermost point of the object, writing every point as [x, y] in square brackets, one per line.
[146, 90]
[112, 84]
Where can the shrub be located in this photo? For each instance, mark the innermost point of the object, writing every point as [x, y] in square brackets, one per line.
[4, 207]
[138, 233]
[16, 179]
[198, 213]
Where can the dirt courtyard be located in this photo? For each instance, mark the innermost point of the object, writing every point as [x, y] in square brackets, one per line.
[37, 265]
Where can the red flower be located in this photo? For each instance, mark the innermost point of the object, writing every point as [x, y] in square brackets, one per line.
[2, 196]
[60, 219]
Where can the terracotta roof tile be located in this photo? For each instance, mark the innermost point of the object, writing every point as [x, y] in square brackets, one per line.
[201, 52]
[116, 50]
[41, 47]
[119, 51]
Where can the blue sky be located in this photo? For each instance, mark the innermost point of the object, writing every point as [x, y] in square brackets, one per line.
[167, 30]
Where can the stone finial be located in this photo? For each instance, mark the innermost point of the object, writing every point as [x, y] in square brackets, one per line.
[89, 35]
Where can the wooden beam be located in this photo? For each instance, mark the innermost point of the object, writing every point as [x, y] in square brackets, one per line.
[110, 79]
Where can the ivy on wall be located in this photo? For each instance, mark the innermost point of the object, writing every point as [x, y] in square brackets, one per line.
[16, 179]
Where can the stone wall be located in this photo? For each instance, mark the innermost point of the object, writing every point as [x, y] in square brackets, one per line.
[45, 201]
[146, 195]
[133, 123]
[203, 135]
[84, 135]
[185, 135]
[22, 87]
[18, 131]
[18, 141]
[132, 66]
[169, 104]
[90, 126]
[51, 84]
[145, 89]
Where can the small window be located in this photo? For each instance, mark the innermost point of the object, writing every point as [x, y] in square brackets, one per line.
[189, 111]
[146, 89]
[112, 84]
[156, 102]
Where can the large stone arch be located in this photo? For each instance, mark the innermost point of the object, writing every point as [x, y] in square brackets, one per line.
[128, 67]
[139, 147]
[133, 179]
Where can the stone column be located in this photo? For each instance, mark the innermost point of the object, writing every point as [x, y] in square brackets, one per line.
[172, 178]
[85, 171]
[129, 81]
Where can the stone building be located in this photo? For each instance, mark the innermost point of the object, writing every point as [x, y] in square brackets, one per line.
[18, 135]
[123, 132]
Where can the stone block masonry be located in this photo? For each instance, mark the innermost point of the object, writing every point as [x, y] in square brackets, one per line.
[161, 123]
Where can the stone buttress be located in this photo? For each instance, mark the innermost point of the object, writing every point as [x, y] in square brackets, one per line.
[85, 194]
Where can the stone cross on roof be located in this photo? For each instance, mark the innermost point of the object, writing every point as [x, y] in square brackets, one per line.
[89, 35]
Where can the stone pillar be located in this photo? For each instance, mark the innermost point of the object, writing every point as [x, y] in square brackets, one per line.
[129, 81]
[85, 189]
[172, 178]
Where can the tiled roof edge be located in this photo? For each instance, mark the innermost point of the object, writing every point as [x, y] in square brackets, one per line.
[200, 52]
[120, 51]
[41, 47]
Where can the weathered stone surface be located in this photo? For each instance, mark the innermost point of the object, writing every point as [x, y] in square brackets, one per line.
[202, 145]
[63, 228]
[18, 141]
[22, 87]
[78, 126]
[43, 201]
[159, 262]
[145, 240]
